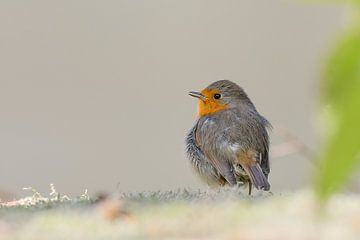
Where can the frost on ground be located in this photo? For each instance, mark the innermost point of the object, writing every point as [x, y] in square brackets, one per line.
[187, 214]
[37, 200]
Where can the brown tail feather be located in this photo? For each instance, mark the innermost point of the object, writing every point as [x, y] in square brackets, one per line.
[257, 177]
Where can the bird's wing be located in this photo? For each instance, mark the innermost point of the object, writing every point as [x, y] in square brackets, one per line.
[249, 160]
[200, 162]
[223, 164]
[248, 132]
[209, 137]
[264, 160]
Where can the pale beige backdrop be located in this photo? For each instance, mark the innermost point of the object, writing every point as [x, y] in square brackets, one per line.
[93, 94]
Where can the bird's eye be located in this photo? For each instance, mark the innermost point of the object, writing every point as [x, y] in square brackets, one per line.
[217, 95]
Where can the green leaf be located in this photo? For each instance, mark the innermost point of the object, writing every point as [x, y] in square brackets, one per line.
[342, 90]
[343, 70]
[341, 155]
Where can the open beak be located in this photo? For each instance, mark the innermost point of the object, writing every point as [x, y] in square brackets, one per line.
[197, 95]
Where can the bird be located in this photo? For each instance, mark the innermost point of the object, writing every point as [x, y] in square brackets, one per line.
[229, 142]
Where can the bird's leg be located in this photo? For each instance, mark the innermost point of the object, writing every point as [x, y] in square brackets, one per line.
[250, 188]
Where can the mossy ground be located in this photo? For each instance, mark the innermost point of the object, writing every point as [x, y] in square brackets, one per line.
[184, 214]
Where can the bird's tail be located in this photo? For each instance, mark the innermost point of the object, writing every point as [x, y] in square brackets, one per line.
[257, 177]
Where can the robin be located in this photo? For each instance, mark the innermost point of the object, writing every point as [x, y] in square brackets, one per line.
[229, 144]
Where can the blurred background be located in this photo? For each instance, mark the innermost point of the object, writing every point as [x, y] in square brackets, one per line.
[93, 94]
